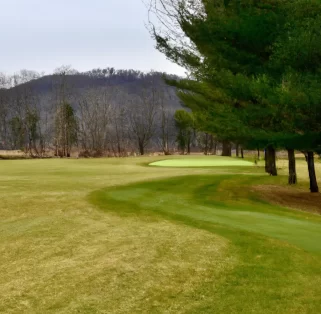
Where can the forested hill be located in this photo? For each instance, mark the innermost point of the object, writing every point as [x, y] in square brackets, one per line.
[107, 105]
[128, 81]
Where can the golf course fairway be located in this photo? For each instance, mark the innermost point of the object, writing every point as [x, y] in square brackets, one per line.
[113, 235]
[202, 162]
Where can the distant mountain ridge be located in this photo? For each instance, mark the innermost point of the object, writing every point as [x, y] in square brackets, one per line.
[101, 100]
[129, 81]
[93, 78]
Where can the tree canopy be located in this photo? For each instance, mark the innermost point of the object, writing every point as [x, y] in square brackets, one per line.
[254, 66]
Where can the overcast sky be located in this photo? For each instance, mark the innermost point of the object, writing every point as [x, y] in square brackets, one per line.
[42, 35]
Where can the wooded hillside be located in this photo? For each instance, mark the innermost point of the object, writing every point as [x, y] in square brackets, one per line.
[99, 111]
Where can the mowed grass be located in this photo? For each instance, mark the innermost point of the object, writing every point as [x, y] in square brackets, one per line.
[211, 161]
[117, 236]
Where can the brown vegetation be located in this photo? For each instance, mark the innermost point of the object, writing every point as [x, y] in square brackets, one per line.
[290, 197]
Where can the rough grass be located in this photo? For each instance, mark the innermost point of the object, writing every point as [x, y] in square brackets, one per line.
[116, 236]
[12, 154]
[290, 197]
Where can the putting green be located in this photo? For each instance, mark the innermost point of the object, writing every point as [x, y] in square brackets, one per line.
[201, 162]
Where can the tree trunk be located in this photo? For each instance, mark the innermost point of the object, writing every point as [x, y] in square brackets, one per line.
[166, 149]
[165, 145]
[313, 179]
[237, 148]
[258, 154]
[206, 144]
[215, 148]
[292, 167]
[271, 160]
[188, 145]
[210, 145]
[226, 149]
[141, 148]
[242, 153]
[266, 158]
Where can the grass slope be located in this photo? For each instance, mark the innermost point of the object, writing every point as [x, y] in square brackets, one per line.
[115, 236]
[270, 276]
[218, 201]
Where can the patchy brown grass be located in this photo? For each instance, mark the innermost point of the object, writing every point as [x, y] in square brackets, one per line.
[11, 152]
[60, 254]
[290, 197]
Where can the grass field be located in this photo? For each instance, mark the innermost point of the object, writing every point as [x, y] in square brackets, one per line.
[202, 162]
[119, 236]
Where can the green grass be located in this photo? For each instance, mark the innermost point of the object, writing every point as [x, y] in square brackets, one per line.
[202, 162]
[297, 228]
[117, 236]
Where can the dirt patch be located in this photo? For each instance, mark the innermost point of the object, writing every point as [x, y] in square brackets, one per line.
[290, 197]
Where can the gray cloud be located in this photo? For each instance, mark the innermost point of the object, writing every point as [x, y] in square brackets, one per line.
[44, 34]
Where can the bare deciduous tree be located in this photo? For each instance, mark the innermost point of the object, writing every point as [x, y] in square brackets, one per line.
[114, 112]
[142, 117]
[94, 119]
[167, 127]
